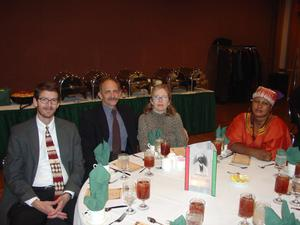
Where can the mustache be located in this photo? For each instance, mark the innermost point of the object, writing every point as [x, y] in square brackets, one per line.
[113, 99]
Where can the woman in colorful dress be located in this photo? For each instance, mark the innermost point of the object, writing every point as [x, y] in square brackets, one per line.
[259, 133]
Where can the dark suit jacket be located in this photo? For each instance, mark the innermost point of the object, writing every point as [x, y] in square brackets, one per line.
[23, 156]
[94, 129]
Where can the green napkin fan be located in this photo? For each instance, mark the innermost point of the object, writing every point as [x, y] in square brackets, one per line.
[102, 153]
[179, 221]
[288, 218]
[293, 155]
[153, 135]
[4, 96]
[221, 134]
[98, 179]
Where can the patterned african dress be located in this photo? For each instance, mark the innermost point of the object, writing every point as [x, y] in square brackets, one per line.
[272, 136]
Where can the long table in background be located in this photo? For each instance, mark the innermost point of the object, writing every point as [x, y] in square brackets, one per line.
[197, 110]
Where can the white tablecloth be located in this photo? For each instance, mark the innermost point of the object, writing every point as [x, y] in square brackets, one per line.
[168, 200]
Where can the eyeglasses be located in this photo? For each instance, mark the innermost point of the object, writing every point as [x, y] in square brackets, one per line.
[53, 101]
[264, 103]
[157, 98]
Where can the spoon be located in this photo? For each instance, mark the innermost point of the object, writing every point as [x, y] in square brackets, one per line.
[113, 181]
[152, 220]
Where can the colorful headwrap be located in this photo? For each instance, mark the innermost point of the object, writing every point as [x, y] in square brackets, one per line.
[266, 93]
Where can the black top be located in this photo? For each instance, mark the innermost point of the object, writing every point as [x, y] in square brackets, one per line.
[94, 129]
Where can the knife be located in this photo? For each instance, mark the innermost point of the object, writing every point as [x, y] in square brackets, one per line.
[140, 157]
[117, 170]
[295, 208]
[114, 207]
[142, 169]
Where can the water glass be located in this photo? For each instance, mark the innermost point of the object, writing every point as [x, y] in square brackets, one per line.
[193, 218]
[296, 191]
[259, 213]
[280, 160]
[123, 163]
[129, 195]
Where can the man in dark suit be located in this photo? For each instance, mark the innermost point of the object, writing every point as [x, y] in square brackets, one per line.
[44, 166]
[97, 125]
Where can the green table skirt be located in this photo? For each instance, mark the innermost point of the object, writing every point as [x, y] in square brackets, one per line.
[197, 111]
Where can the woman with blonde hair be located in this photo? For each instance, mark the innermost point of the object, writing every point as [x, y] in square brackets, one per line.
[160, 115]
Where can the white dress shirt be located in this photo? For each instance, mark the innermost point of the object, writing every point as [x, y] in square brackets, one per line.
[43, 176]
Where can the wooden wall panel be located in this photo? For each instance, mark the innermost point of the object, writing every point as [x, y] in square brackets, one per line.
[41, 38]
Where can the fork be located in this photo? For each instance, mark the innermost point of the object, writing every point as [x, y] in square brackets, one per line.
[237, 173]
[120, 219]
[263, 166]
[241, 167]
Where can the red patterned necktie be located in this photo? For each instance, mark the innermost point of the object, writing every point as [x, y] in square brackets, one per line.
[58, 179]
[116, 137]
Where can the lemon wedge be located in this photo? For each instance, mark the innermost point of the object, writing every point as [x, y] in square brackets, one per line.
[239, 178]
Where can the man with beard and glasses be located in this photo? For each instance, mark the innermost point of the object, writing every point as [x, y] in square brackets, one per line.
[110, 122]
[259, 133]
[44, 166]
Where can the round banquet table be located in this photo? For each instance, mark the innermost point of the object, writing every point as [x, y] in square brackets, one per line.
[168, 199]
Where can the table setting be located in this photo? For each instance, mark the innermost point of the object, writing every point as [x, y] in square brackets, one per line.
[166, 201]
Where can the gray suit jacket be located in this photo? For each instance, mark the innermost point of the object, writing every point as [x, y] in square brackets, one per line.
[23, 156]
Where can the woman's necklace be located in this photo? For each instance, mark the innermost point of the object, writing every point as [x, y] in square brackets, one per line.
[253, 126]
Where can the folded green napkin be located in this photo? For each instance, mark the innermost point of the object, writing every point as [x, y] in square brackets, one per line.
[153, 135]
[102, 153]
[293, 155]
[223, 132]
[280, 160]
[179, 221]
[219, 132]
[99, 178]
[226, 140]
[271, 218]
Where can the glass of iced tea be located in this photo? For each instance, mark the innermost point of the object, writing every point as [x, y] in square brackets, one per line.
[218, 144]
[143, 191]
[297, 170]
[165, 148]
[246, 207]
[197, 206]
[149, 162]
[281, 187]
[296, 191]
[123, 164]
